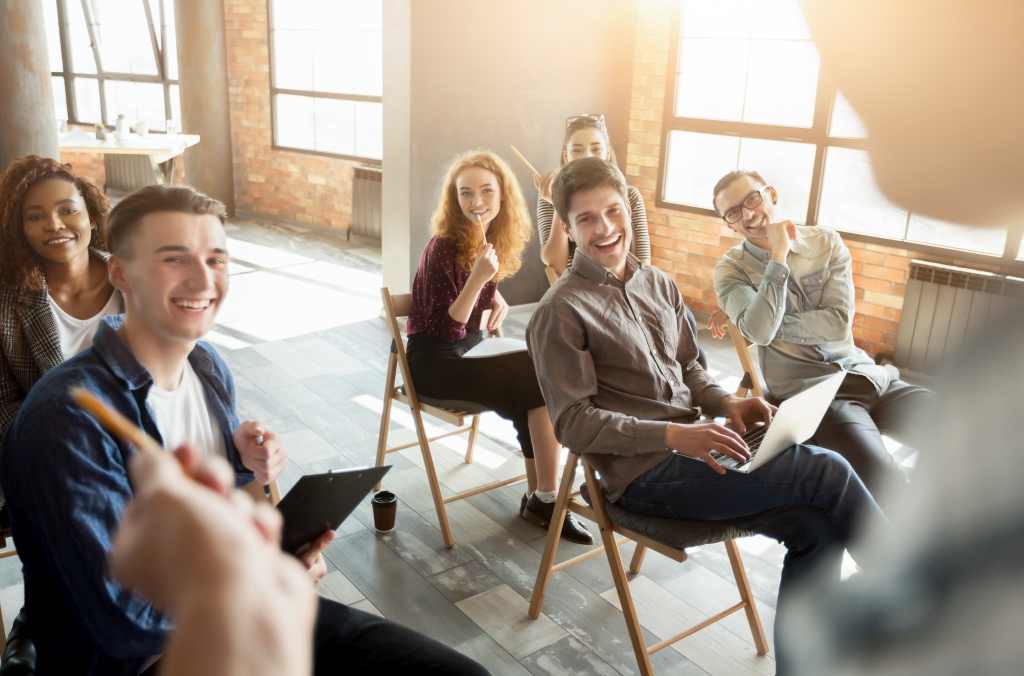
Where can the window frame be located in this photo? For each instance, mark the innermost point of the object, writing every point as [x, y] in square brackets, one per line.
[67, 72]
[313, 94]
[817, 134]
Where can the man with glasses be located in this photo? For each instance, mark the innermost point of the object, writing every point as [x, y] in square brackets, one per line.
[789, 290]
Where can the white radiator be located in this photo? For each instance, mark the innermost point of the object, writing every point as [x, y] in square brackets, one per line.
[366, 202]
[945, 305]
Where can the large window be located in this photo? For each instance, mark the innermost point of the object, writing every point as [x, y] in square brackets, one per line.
[746, 92]
[326, 80]
[114, 57]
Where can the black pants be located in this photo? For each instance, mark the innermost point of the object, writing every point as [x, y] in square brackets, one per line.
[349, 641]
[859, 415]
[506, 384]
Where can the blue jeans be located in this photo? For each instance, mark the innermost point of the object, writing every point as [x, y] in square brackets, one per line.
[808, 498]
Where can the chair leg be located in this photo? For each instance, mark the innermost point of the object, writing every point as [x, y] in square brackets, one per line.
[750, 604]
[611, 550]
[472, 438]
[637, 560]
[554, 536]
[3, 633]
[435, 485]
[385, 415]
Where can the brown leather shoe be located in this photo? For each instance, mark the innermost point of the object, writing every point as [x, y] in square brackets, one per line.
[536, 511]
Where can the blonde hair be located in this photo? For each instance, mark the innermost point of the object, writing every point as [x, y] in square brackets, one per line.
[508, 232]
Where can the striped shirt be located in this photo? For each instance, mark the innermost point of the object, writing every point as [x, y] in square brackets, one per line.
[641, 245]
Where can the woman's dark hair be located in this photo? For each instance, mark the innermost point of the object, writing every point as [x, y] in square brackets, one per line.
[587, 122]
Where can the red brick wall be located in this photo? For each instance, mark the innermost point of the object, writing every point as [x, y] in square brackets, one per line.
[688, 245]
[87, 165]
[288, 185]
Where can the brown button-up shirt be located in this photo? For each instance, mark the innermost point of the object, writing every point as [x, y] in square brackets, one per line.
[617, 362]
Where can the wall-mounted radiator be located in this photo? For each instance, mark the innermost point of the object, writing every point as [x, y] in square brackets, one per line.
[366, 202]
[945, 306]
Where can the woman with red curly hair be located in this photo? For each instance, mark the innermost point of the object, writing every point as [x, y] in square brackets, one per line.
[480, 229]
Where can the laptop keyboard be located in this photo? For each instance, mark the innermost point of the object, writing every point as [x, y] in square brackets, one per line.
[753, 438]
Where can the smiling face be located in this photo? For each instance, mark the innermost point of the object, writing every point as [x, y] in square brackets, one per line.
[479, 195]
[55, 221]
[599, 223]
[586, 142]
[738, 195]
[175, 277]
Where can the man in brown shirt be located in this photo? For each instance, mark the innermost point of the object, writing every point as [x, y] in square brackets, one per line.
[617, 363]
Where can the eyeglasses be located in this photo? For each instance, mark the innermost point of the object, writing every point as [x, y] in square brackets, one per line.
[753, 200]
[596, 118]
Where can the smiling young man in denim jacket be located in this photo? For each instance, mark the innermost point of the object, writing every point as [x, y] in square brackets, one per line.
[789, 289]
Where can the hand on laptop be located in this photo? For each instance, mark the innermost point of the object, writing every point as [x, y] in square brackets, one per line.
[260, 450]
[743, 410]
[311, 555]
[699, 440]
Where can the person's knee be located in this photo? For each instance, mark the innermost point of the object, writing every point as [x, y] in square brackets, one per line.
[827, 464]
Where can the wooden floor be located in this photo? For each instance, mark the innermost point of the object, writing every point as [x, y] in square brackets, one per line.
[302, 333]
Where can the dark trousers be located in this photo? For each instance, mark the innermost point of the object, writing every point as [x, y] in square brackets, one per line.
[808, 498]
[349, 641]
[505, 384]
[859, 415]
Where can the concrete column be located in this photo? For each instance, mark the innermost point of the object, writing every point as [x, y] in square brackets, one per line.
[396, 215]
[202, 68]
[27, 122]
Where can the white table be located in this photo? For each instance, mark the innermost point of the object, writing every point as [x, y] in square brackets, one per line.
[162, 149]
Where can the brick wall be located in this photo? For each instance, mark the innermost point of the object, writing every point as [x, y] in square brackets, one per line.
[687, 245]
[289, 185]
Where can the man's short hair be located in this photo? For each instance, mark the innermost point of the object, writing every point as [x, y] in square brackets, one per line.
[585, 174]
[124, 218]
[726, 180]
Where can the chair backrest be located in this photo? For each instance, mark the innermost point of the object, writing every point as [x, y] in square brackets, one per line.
[747, 354]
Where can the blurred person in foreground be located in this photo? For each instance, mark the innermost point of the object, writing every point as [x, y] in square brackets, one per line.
[936, 85]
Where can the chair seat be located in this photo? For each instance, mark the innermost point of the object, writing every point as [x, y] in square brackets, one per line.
[453, 405]
[674, 533]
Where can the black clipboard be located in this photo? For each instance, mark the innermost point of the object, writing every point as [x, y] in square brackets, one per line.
[321, 502]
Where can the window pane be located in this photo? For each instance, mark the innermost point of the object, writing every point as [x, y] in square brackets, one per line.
[957, 236]
[293, 60]
[52, 35]
[787, 166]
[335, 126]
[710, 76]
[176, 106]
[370, 130]
[60, 99]
[845, 121]
[777, 20]
[851, 200]
[782, 82]
[136, 101]
[87, 98]
[125, 45]
[695, 162]
[294, 121]
[81, 52]
[718, 19]
[329, 46]
[172, 37]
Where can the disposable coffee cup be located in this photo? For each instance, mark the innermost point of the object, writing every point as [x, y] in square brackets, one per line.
[385, 504]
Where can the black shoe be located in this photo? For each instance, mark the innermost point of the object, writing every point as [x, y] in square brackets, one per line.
[535, 510]
[19, 658]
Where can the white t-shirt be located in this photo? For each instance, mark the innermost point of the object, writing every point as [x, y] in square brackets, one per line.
[183, 416]
[76, 334]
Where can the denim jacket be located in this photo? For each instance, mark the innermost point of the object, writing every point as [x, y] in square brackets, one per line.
[67, 484]
[800, 315]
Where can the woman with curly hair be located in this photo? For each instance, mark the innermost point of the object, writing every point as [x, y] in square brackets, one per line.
[480, 229]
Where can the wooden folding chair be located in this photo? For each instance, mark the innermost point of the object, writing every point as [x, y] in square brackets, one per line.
[452, 412]
[752, 383]
[666, 536]
[6, 550]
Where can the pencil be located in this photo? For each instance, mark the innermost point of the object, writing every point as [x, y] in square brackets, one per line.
[525, 161]
[114, 422]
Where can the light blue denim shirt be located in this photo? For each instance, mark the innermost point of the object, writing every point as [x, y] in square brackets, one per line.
[800, 315]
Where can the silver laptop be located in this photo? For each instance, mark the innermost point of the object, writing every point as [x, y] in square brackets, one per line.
[796, 420]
